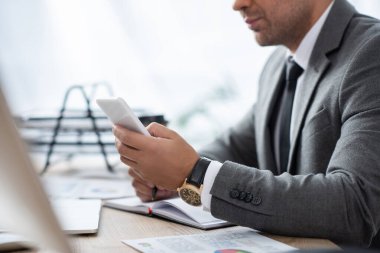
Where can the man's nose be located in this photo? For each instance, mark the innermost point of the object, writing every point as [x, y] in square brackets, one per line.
[241, 4]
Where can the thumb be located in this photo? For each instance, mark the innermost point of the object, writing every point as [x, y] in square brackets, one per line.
[158, 130]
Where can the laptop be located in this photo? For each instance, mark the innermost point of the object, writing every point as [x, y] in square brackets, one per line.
[25, 208]
[78, 216]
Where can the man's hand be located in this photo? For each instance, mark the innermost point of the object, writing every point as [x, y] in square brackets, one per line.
[144, 189]
[164, 159]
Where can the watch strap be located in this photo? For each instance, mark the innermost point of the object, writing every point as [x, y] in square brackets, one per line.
[198, 172]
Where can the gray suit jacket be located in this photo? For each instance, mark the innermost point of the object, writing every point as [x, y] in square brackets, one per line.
[332, 185]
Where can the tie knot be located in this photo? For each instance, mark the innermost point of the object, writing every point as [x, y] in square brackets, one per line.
[293, 70]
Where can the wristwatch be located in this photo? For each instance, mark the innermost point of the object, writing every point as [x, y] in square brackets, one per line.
[191, 189]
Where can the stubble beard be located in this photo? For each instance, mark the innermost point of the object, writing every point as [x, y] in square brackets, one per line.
[288, 33]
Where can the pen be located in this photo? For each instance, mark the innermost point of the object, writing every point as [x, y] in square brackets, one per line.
[154, 192]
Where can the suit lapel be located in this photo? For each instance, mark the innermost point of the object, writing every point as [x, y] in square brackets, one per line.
[266, 155]
[306, 91]
[329, 40]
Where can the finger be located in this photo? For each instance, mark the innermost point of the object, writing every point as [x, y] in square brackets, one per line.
[142, 188]
[164, 194]
[161, 194]
[158, 130]
[137, 176]
[160, 187]
[144, 198]
[128, 137]
[127, 151]
[148, 198]
[127, 161]
[143, 192]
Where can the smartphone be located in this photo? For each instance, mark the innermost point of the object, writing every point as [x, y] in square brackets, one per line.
[119, 112]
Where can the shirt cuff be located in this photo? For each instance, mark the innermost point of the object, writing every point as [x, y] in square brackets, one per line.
[212, 171]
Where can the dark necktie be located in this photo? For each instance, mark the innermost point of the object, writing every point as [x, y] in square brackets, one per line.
[293, 71]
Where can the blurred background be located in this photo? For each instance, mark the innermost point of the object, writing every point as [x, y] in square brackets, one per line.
[194, 61]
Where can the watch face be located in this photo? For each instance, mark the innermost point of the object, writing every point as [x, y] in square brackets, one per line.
[190, 196]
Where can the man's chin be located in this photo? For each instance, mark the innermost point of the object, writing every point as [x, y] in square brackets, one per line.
[263, 40]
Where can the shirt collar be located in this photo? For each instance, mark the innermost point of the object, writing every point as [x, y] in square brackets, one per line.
[303, 52]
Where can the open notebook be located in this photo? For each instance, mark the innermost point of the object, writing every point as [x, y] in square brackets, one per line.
[171, 209]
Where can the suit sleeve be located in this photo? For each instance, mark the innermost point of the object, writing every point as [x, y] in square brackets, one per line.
[236, 144]
[342, 204]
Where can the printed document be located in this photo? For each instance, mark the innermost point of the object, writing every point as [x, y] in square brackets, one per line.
[239, 240]
[61, 187]
[172, 209]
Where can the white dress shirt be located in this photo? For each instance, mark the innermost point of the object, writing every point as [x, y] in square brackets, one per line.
[302, 57]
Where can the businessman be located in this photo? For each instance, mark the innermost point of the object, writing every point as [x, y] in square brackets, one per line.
[305, 160]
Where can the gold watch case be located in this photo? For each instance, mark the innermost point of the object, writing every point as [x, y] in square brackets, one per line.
[190, 194]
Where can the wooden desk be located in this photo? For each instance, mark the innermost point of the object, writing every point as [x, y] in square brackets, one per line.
[118, 225]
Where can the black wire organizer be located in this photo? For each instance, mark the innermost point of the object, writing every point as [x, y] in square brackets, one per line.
[76, 131]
